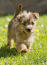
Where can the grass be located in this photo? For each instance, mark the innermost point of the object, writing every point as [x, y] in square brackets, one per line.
[38, 54]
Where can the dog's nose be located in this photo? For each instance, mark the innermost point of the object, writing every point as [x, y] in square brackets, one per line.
[29, 27]
[29, 30]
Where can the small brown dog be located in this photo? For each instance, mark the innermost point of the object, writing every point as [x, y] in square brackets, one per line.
[20, 29]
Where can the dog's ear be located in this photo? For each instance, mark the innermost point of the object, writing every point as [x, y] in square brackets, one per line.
[36, 15]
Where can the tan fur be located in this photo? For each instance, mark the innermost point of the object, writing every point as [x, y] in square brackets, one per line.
[20, 29]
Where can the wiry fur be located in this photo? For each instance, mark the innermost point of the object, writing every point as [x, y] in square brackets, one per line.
[20, 29]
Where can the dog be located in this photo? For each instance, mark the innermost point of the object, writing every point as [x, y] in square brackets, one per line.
[21, 29]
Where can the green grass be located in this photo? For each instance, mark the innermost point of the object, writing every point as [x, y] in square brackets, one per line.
[38, 54]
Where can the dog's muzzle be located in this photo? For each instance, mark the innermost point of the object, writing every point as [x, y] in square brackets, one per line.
[29, 27]
[28, 30]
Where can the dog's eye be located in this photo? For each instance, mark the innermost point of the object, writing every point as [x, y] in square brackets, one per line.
[24, 23]
[32, 23]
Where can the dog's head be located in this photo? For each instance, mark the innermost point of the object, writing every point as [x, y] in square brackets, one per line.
[27, 21]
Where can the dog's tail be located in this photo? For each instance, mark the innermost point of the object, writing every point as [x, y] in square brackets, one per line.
[18, 10]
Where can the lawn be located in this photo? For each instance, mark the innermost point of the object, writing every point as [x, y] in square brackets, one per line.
[38, 54]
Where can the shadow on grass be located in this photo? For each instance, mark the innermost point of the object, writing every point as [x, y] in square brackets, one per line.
[6, 51]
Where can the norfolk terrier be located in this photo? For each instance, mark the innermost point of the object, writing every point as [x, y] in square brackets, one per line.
[21, 29]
